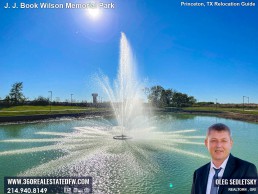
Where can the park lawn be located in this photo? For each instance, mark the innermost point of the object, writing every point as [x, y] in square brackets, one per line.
[45, 110]
[221, 109]
[47, 107]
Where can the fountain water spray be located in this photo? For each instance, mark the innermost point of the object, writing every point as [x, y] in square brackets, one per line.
[126, 94]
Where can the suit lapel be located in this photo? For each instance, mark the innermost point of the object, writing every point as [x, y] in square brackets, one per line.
[228, 170]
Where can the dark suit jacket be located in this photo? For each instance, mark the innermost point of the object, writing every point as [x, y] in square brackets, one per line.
[235, 168]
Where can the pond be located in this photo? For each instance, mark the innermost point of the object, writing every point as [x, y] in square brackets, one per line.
[159, 160]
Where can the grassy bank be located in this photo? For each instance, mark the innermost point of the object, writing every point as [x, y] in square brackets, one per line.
[45, 110]
[252, 111]
[248, 114]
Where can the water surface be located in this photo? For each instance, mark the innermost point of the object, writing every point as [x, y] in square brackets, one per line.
[166, 153]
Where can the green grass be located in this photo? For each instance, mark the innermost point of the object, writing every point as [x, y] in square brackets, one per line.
[221, 109]
[45, 110]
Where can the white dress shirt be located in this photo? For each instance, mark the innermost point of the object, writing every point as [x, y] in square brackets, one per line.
[212, 173]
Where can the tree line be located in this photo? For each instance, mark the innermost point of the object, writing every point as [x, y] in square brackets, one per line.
[16, 97]
[157, 96]
[161, 97]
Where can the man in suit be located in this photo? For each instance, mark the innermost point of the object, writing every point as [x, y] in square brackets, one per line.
[219, 143]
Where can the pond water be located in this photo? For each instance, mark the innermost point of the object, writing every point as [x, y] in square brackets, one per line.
[161, 159]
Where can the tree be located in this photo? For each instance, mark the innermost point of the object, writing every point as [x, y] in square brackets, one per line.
[155, 95]
[41, 101]
[160, 97]
[182, 100]
[16, 96]
[192, 100]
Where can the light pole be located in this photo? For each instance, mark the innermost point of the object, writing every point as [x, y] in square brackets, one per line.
[50, 100]
[216, 103]
[100, 99]
[244, 102]
[71, 99]
[247, 101]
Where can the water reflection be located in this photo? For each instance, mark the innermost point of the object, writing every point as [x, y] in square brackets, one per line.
[171, 149]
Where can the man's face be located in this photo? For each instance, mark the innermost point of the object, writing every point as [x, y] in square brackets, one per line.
[219, 145]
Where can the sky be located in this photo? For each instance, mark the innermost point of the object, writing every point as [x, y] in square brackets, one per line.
[206, 52]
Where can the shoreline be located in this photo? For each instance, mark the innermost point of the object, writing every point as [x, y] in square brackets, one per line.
[226, 115]
[29, 118]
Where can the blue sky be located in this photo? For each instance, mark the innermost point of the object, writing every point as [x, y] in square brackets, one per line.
[206, 52]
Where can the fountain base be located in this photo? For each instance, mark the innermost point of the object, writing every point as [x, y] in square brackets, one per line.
[122, 137]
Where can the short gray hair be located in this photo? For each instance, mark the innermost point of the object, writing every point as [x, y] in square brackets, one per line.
[219, 127]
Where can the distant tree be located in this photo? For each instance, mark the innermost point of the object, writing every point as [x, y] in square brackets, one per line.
[7, 100]
[160, 97]
[182, 100]
[169, 95]
[15, 96]
[179, 99]
[205, 103]
[41, 101]
[156, 95]
[192, 100]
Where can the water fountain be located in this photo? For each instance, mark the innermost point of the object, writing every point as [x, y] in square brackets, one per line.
[126, 94]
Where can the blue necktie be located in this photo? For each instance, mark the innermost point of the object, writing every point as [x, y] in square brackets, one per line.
[214, 188]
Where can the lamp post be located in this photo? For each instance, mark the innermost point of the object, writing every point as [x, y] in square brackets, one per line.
[216, 103]
[244, 101]
[247, 101]
[100, 99]
[50, 100]
[71, 99]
